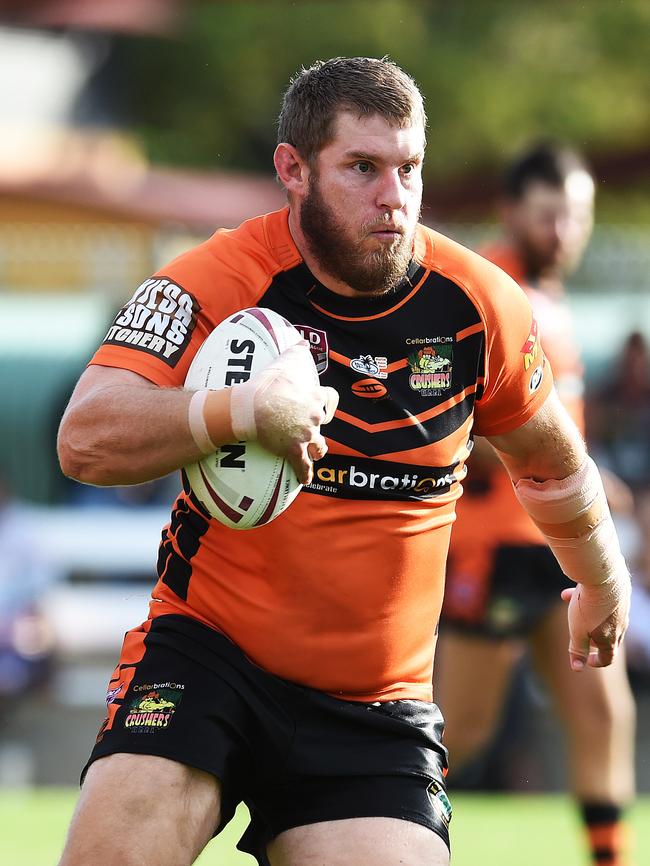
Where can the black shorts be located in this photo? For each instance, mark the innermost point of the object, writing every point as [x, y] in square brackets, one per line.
[294, 755]
[524, 582]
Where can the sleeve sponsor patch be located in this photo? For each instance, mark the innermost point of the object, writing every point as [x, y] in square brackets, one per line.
[530, 349]
[159, 320]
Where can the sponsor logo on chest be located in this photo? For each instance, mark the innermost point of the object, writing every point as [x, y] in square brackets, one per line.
[431, 365]
[317, 340]
[370, 366]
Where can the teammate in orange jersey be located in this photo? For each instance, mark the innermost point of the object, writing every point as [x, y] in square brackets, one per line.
[291, 665]
[503, 583]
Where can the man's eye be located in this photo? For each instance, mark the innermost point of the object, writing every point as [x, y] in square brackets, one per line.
[364, 167]
[408, 168]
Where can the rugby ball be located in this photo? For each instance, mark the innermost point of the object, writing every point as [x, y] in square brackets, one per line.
[242, 484]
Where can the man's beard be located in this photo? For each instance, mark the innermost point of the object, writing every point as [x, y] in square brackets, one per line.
[373, 273]
[540, 264]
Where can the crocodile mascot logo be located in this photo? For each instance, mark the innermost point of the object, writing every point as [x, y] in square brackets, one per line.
[431, 369]
[153, 711]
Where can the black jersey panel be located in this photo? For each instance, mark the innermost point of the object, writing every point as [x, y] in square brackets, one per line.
[391, 357]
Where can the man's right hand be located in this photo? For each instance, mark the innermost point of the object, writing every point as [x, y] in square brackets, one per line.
[598, 619]
[283, 408]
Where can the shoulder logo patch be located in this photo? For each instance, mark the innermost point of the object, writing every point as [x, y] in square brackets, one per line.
[536, 379]
[530, 349]
[159, 320]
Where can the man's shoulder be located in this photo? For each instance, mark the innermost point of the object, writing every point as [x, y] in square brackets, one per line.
[476, 275]
[249, 255]
[264, 238]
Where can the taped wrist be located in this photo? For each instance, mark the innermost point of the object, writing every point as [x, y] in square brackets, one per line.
[593, 557]
[242, 409]
[196, 421]
[273, 392]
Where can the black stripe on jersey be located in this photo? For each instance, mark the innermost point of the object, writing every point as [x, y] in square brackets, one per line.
[403, 438]
[299, 282]
[186, 527]
[358, 327]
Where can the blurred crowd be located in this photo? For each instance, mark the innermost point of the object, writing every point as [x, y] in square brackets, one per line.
[618, 425]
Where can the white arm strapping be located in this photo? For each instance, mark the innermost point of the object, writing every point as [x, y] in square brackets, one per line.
[595, 556]
[196, 420]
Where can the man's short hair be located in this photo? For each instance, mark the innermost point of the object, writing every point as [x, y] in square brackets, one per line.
[363, 85]
[546, 162]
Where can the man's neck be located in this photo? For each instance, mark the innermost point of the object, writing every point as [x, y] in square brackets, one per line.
[330, 282]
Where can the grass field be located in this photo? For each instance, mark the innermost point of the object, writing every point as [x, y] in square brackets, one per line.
[487, 831]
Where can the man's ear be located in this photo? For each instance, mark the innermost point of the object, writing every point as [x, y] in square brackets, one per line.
[291, 168]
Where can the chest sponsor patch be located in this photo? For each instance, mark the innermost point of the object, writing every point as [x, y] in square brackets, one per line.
[431, 370]
[366, 478]
[370, 366]
[159, 320]
[317, 340]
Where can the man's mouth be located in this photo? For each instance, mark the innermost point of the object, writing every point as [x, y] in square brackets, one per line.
[387, 230]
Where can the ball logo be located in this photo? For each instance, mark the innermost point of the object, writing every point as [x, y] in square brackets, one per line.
[239, 362]
[369, 388]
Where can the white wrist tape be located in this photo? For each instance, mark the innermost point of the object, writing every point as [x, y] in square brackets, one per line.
[593, 557]
[274, 389]
[242, 409]
[196, 420]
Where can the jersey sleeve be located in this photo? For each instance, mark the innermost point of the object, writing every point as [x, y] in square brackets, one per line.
[160, 328]
[518, 377]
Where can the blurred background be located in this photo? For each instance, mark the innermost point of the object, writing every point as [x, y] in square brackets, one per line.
[129, 130]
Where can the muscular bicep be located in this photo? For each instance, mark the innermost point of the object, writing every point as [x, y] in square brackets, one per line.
[120, 428]
[547, 446]
[97, 378]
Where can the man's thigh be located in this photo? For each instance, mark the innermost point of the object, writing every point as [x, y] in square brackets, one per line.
[359, 842]
[471, 679]
[142, 809]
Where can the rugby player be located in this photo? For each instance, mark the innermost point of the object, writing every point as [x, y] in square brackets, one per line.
[297, 657]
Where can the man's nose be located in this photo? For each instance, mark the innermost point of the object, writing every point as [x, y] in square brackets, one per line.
[391, 193]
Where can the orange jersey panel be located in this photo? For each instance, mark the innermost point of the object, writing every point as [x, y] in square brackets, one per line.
[343, 591]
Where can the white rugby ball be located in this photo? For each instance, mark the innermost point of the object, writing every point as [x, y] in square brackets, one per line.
[242, 484]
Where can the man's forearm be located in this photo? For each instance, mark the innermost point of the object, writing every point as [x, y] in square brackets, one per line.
[125, 435]
[574, 516]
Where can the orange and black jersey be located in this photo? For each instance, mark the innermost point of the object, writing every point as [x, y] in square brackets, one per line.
[343, 591]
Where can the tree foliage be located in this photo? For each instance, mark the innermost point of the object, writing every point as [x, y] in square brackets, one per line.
[495, 74]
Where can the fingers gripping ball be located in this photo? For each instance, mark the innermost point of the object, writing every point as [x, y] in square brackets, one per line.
[244, 484]
[266, 407]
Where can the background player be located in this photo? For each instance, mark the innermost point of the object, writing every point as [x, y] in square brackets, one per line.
[295, 661]
[503, 584]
